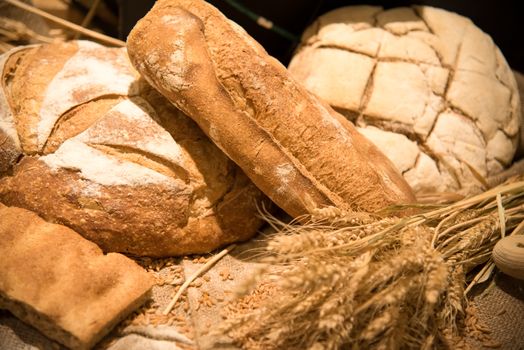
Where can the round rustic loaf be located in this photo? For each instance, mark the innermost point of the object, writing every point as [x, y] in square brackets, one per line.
[88, 144]
[427, 86]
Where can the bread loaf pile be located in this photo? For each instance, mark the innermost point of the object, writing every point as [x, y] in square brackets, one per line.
[85, 142]
[88, 144]
[427, 86]
[297, 150]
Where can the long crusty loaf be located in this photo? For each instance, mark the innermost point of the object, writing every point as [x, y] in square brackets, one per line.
[297, 150]
[90, 145]
[62, 284]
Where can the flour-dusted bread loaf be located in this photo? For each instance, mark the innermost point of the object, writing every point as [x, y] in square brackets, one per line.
[62, 284]
[298, 151]
[91, 146]
[427, 86]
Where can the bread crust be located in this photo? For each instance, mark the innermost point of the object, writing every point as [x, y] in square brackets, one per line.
[62, 284]
[287, 142]
[10, 149]
[425, 85]
[150, 219]
[118, 163]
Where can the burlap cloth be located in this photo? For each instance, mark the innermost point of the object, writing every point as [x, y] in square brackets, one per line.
[196, 313]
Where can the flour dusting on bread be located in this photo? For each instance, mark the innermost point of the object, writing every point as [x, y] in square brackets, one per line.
[98, 167]
[130, 125]
[104, 153]
[286, 173]
[84, 77]
[7, 121]
[248, 99]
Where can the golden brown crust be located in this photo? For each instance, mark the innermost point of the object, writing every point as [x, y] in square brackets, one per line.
[10, 149]
[62, 284]
[151, 219]
[121, 165]
[9, 152]
[78, 119]
[287, 142]
[23, 90]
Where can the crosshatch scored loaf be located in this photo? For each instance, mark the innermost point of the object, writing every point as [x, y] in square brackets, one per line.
[427, 86]
[89, 144]
[297, 150]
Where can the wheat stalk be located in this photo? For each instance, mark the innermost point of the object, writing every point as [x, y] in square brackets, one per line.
[208, 265]
[67, 24]
[355, 280]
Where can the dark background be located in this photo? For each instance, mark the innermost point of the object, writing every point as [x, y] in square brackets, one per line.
[503, 20]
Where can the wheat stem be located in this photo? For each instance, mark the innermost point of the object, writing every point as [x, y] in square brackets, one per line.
[468, 202]
[517, 209]
[457, 226]
[486, 271]
[442, 223]
[88, 17]
[197, 274]
[502, 218]
[519, 230]
[67, 24]
[478, 257]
